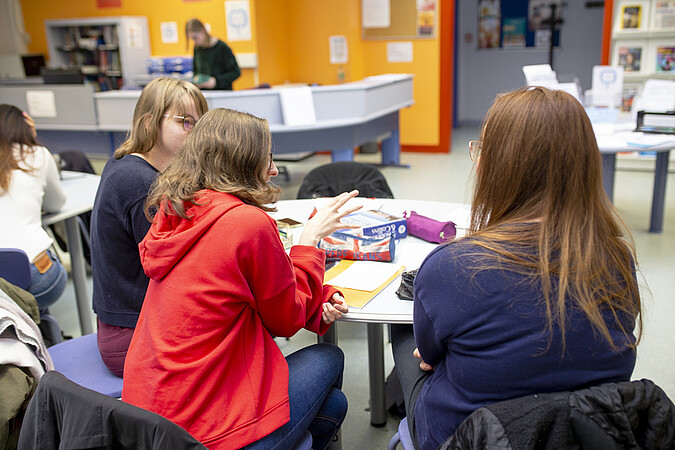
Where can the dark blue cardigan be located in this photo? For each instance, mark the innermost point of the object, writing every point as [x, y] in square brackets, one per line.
[485, 333]
[118, 225]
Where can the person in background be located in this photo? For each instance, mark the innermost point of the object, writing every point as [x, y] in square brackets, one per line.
[166, 111]
[541, 295]
[214, 64]
[29, 184]
[221, 286]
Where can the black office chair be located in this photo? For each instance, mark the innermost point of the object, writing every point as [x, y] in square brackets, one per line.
[332, 179]
[611, 416]
[63, 414]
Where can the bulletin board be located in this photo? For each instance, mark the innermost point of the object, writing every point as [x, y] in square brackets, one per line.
[407, 21]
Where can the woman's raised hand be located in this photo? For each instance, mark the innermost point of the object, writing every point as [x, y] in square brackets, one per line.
[328, 219]
[30, 122]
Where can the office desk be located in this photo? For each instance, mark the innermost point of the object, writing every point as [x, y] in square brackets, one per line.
[386, 307]
[347, 115]
[617, 141]
[81, 190]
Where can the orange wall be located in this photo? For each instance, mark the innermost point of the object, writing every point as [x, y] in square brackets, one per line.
[309, 25]
[35, 12]
[271, 22]
[291, 40]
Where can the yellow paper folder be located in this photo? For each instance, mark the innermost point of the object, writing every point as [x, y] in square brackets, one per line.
[354, 297]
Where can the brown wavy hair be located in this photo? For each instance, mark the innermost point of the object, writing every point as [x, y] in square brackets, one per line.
[540, 206]
[161, 96]
[13, 131]
[227, 151]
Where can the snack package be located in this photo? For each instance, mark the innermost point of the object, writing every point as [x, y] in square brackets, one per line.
[341, 245]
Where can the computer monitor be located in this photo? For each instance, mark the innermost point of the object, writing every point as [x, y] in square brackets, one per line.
[33, 63]
[61, 76]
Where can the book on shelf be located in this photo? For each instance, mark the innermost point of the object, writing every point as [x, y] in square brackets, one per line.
[630, 58]
[631, 17]
[664, 14]
[665, 59]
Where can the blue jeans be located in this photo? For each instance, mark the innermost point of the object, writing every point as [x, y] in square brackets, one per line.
[47, 287]
[316, 401]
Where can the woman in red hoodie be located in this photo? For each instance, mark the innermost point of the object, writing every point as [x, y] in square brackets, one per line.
[221, 285]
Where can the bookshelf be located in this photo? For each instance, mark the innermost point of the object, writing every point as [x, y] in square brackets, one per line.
[108, 50]
[643, 43]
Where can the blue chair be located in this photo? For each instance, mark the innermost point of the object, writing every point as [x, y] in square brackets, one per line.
[15, 268]
[80, 361]
[402, 436]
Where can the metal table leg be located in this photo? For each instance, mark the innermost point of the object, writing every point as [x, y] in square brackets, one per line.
[378, 409]
[659, 197]
[79, 274]
[608, 167]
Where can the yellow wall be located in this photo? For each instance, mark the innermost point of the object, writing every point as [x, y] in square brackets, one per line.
[291, 40]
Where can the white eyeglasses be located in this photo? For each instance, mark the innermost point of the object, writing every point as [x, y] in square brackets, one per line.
[188, 121]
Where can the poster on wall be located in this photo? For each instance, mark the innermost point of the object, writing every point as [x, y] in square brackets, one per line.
[426, 17]
[238, 20]
[489, 23]
[169, 32]
[513, 32]
[539, 13]
[339, 51]
[664, 15]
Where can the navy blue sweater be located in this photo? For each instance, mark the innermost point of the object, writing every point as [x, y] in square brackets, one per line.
[485, 333]
[118, 225]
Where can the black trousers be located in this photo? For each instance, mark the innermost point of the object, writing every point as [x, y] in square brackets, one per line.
[410, 375]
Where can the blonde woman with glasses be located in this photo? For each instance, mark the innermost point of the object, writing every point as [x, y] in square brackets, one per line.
[541, 295]
[166, 112]
[221, 286]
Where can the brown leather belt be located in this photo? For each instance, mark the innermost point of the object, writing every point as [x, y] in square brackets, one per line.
[42, 262]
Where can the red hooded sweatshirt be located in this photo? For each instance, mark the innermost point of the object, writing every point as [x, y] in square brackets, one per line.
[221, 285]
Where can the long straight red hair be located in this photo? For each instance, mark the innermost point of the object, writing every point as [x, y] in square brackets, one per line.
[538, 185]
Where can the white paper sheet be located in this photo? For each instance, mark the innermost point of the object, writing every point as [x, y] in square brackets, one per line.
[657, 96]
[297, 106]
[539, 75]
[399, 52]
[339, 51]
[375, 13]
[41, 103]
[365, 275]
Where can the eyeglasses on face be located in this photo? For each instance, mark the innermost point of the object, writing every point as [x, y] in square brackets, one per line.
[188, 121]
[474, 149]
[271, 161]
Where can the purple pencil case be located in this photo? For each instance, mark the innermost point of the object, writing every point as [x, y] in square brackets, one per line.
[429, 229]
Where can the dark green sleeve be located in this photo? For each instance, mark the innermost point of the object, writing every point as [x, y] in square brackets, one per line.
[218, 62]
[230, 68]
